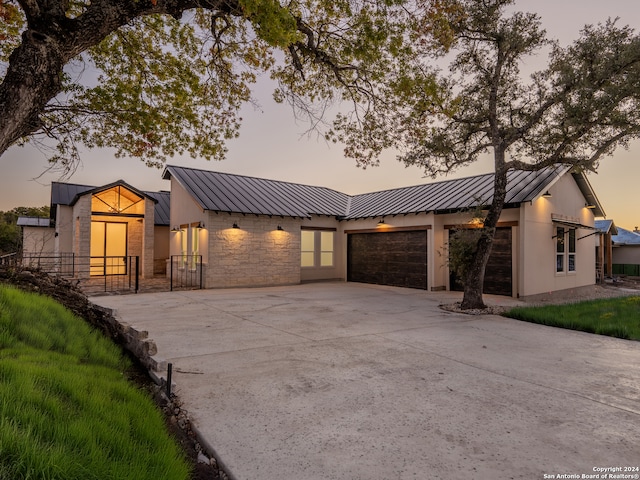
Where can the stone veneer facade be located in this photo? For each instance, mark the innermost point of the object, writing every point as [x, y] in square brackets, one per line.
[255, 254]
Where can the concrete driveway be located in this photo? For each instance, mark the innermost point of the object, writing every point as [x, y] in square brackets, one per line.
[350, 381]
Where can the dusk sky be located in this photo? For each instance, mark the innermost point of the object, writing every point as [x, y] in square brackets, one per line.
[272, 145]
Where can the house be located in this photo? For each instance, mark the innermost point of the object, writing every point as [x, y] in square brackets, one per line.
[626, 252]
[239, 231]
[253, 232]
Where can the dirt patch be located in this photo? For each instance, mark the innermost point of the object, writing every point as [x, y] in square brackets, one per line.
[490, 310]
[204, 466]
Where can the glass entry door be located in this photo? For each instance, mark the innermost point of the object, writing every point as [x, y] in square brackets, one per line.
[108, 248]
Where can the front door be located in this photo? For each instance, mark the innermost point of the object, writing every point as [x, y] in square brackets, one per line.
[108, 248]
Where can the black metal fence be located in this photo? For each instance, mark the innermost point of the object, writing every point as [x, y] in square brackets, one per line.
[95, 274]
[186, 272]
[626, 269]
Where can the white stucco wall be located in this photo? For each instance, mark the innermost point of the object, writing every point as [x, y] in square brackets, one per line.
[185, 211]
[538, 247]
[626, 254]
[38, 241]
[161, 248]
[64, 229]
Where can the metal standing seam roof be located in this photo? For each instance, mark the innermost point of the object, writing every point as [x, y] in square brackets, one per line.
[161, 208]
[225, 192]
[626, 237]
[606, 226]
[67, 194]
[33, 222]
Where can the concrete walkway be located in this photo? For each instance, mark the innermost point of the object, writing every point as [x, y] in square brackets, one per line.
[349, 381]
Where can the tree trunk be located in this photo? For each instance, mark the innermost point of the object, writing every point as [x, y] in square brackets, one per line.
[51, 40]
[32, 79]
[474, 281]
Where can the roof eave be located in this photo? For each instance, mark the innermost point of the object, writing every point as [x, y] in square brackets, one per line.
[589, 194]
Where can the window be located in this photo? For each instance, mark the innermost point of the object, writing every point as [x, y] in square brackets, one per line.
[317, 248]
[559, 250]
[326, 249]
[565, 250]
[308, 248]
[572, 250]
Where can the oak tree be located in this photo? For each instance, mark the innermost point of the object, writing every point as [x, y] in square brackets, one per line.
[577, 110]
[156, 78]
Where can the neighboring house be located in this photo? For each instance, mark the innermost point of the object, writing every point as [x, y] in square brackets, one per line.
[626, 252]
[240, 231]
[606, 229]
[254, 232]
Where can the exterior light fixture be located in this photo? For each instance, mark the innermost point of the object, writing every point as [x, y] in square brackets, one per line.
[381, 223]
[280, 228]
[589, 205]
[235, 225]
[200, 225]
[175, 229]
[546, 194]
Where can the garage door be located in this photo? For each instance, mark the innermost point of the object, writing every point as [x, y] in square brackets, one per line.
[498, 276]
[388, 258]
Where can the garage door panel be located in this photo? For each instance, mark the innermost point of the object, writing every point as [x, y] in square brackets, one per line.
[388, 258]
[498, 277]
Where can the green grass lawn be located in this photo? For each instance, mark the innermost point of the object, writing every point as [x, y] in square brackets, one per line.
[66, 409]
[615, 317]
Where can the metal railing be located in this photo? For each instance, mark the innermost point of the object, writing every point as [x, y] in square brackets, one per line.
[186, 271]
[9, 259]
[108, 273]
[61, 264]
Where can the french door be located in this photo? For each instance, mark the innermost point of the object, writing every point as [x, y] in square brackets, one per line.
[108, 248]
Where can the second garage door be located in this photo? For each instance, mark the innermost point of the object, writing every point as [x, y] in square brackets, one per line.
[498, 277]
[388, 258]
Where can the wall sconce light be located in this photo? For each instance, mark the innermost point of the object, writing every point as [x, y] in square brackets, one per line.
[381, 223]
[546, 194]
[175, 228]
[589, 205]
[200, 225]
[280, 228]
[235, 225]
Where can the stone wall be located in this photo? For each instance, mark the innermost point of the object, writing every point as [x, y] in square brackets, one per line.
[255, 254]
